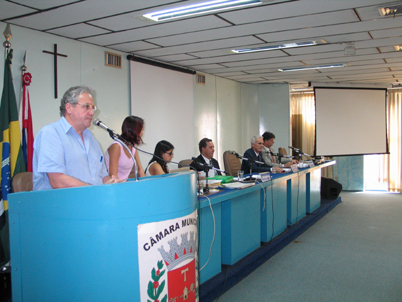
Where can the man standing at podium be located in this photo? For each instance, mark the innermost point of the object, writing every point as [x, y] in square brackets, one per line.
[207, 149]
[66, 154]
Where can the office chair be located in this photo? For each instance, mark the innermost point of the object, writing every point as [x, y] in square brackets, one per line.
[22, 182]
[282, 151]
[232, 163]
[185, 163]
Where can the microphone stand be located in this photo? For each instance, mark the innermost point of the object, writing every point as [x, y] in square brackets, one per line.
[250, 164]
[206, 189]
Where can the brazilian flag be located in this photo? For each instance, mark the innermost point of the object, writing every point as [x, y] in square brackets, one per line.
[12, 158]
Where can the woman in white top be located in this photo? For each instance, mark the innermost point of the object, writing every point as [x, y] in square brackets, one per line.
[158, 164]
[118, 160]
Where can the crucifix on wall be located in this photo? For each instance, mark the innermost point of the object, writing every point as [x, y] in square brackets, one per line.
[55, 54]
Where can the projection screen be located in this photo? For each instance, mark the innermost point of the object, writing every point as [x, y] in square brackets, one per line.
[350, 121]
[165, 100]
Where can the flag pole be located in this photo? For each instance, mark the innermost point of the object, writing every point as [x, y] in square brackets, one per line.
[7, 34]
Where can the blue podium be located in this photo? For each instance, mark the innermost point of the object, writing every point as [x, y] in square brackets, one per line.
[82, 244]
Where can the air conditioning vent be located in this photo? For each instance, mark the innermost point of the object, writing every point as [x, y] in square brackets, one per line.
[200, 79]
[112, 60]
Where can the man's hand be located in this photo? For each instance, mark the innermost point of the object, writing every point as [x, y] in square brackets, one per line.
[277, 169]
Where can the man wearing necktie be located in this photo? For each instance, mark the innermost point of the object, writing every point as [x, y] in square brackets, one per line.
[268, 150]
[207, 149]
[254, 154]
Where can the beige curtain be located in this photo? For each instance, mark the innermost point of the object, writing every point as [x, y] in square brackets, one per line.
[394, 139]
[303, 104]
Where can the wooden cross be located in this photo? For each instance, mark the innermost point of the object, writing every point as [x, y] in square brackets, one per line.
[55, 54]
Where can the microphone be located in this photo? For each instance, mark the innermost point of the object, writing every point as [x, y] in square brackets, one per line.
[201, 164]
[98, 123]
[296, 149]
[235, 153]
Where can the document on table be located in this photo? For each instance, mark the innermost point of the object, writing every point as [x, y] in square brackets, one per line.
[237, 185]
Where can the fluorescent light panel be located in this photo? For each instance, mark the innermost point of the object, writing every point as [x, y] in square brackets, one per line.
[312, 67]
[198, 8]
[391, 10]
[273, 47]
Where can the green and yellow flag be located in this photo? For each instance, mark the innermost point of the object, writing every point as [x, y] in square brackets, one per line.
[12, 158]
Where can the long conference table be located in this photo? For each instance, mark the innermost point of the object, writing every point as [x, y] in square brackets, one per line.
[233, 223]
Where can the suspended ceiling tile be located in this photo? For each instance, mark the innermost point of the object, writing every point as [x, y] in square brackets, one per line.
[292, 9]
[77, 31]
[157, 31]
[79, 12]
[174, 58]
[133, 46]
[10, 10]
[121, 22]
[44, 4]
[258, 28]
[201, 46]
[389, 32]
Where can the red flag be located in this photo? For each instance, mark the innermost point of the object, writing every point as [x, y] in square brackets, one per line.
[26, 121]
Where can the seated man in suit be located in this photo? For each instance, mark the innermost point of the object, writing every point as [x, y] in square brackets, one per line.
[267, 153]
[254, 154]
[207, 149]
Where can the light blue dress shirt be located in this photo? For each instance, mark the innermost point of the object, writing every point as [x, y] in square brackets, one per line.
[59, 148]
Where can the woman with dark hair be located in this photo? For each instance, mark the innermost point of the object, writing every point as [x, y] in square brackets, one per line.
[162, 155]
[118, 160]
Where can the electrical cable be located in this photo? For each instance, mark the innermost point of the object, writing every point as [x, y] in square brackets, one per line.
[213, 238]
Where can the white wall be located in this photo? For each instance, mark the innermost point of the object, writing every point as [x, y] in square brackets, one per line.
[205, 112]
[227, 112]
[85, 65]
[274, 112]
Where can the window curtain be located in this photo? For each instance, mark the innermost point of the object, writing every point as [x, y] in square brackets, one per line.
[303, 104]
[394, 139]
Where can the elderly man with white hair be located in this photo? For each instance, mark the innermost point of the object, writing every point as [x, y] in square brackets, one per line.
[254, 154]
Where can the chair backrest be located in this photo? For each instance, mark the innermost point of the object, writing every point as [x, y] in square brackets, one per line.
[22, 182]
[232, 163]
[282, 151]
[185, 163]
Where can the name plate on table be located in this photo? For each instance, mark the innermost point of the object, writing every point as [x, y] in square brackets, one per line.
[266, 176]
[294, 168]
[311, 164]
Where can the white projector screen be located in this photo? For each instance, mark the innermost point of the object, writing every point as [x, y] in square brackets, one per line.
[350, 121]
[165, 100]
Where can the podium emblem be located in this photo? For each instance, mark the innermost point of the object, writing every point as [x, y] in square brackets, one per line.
[168, 260]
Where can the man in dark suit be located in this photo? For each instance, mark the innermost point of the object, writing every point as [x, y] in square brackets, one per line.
[207, 149]
[254, 154]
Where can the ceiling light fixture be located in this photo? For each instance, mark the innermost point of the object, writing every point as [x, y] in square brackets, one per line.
[396, 86]
[302, 89]
[312, 67]
[391, 10]
[281, 46]
[198, 8]
[350, 49]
